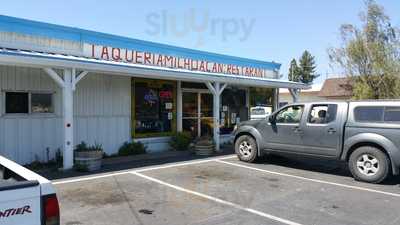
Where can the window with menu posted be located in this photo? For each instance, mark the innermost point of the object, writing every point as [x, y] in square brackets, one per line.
[154, 107]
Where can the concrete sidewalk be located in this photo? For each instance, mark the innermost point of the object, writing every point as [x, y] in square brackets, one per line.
[121, 163]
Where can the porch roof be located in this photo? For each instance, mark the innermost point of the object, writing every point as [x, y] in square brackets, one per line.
[78, 35]
[46, 60]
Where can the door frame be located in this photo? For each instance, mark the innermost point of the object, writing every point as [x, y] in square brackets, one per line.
[332, 151]
[199, 92]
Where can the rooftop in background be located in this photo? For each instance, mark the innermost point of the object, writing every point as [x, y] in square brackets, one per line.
[332, 87]
[336, 87]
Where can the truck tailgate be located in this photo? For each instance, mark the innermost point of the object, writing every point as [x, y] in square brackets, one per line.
[20, 204]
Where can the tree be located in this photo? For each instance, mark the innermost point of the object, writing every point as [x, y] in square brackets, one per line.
[370, 55]
[294, 71]
[307, 68]
[304, 73]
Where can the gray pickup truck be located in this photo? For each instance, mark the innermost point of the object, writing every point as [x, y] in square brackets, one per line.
[366, 134]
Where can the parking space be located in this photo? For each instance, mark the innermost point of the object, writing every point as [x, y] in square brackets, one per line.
[226, 191]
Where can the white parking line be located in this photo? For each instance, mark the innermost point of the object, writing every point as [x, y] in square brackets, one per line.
[218, 200]
[170, 165]
[89, 178]
[309, 179]
[184, 164]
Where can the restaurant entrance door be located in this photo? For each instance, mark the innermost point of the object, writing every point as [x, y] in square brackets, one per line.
[197, 112]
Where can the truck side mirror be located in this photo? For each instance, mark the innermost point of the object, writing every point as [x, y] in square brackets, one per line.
[271, 119]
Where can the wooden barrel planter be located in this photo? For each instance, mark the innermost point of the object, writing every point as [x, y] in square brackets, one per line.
[204, 147]
[88, 160]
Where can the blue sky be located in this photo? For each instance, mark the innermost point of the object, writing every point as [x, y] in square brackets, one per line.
[266, 30]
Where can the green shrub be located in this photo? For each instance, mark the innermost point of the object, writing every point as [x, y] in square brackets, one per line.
[132, 148]
[59, 159]
[181, 141]
[95, 147]
[80, 167]
[83, 147]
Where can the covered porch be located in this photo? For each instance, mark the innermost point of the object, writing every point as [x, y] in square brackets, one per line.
[68, 71]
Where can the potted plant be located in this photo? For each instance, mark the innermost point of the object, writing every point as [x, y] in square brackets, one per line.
[180, 141]
[204, 146]
[132, 148]
[88, 157]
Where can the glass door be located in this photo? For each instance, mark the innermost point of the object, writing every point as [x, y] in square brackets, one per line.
[206, 114]
[197, 115]
[190, 113]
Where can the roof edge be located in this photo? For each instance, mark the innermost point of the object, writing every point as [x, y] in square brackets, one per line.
[61, 61]
[31, 27]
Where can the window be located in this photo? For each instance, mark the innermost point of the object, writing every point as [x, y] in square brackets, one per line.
[154, 107]
[41, 103]
[369, 113]
[258, 111]
[291, 114]
[392, 114]
[262, 97]
[233, 109]
[26, 102]
[17, 102]
[321, 114]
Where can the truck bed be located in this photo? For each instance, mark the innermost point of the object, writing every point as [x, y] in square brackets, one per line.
[21, 194]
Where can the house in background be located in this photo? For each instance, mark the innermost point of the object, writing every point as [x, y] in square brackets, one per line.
[331, 89]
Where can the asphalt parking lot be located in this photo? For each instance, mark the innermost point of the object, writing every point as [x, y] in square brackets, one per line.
[223, 190]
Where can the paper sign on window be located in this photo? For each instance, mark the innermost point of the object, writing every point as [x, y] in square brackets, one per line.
[168, 105]
[233, 118]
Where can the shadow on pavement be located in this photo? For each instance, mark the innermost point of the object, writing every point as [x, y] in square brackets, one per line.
[117, 166]
[319, 165]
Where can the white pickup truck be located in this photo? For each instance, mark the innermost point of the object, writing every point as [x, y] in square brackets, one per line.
[25, 197]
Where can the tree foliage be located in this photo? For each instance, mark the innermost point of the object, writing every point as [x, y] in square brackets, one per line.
[305, 71]
[370, 55]
[307, 68]
[294, 71]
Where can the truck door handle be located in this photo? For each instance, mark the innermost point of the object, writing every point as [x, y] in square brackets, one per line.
[297, 130]
[331, 130]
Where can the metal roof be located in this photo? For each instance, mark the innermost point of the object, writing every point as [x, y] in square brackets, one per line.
[45, 60]
[41, 29]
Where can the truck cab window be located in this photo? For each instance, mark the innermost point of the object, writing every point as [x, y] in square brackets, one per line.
[321, 114]
[291, 114]
[392, 114]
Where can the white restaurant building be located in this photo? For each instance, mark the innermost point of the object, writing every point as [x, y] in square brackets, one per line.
[61, 85]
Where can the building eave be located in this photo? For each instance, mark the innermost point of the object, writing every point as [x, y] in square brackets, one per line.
[41, 29]
[41, 60]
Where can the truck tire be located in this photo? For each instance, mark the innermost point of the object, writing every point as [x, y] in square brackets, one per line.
[246, 148]
[369, 164]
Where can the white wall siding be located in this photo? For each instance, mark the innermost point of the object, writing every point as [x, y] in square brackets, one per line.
[38, 43]
[102, 108]
[25, 138]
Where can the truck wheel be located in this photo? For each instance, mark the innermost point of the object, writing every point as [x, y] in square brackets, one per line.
[246, 148]
[369, 164]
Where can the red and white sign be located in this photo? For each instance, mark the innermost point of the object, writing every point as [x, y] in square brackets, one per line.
[153, 59]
